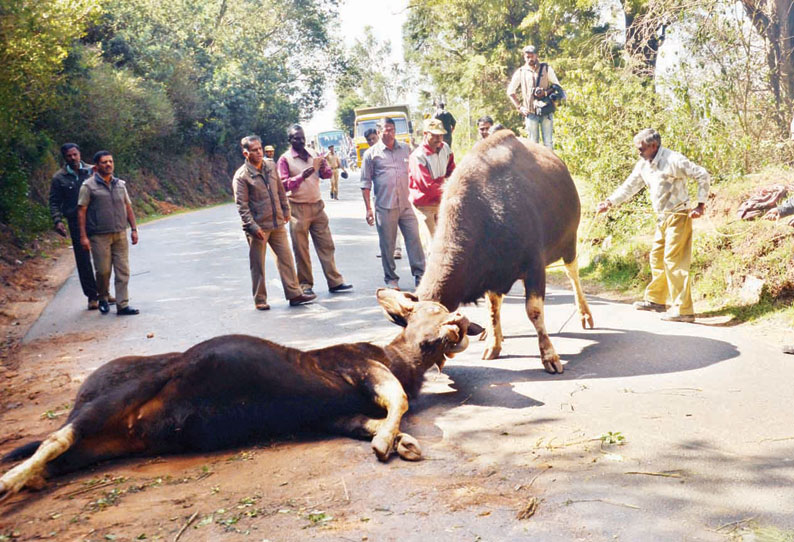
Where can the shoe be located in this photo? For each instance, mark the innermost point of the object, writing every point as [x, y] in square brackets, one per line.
[340, 288]
[104, 308]
[262, 307]
[649, 306]
[93, 304]
[417, 280]
[301, 299]
[398, 253]
[788, 348]
[688, 318]
[309, 291]
[111, 300]
[392, 285]
[127, 311]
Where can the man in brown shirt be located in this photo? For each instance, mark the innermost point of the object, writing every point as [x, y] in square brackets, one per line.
[262, 204]
[300, 170]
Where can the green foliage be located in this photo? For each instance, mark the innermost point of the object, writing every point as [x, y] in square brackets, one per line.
[345, 112]
[368, 78]
[34, 41]
[626, 269]
[142, 78]
[468, 49]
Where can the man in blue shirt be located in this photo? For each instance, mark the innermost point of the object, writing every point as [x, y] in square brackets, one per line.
[385, 167]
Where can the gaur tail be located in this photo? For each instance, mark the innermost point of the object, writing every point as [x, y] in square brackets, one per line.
[23, 452]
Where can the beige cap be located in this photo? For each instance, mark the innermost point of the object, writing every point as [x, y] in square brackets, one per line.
[434, 126]
[269, 148]
[530, 49]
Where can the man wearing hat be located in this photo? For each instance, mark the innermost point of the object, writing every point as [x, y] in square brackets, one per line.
[270, 152]
[429, 166]
[534, 79]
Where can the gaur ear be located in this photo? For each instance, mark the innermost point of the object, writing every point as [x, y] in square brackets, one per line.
[397, 305]
[474, 329]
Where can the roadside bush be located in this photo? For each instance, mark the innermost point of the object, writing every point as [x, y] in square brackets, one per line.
[114, 110]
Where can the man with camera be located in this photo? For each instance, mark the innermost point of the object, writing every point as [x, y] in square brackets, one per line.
[539, 87]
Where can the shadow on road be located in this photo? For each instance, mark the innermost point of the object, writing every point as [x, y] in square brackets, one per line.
[610, 354]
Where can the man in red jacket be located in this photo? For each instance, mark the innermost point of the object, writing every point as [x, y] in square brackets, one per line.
[429, 166]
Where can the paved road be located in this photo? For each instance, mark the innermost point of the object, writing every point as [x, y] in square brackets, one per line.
[705, 411]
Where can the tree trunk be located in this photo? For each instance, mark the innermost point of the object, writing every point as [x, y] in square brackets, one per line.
[644, 36]
[775, 22]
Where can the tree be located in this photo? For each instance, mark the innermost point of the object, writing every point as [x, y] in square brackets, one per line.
[34, 42]
[367, 76]
[774, 21]
[468, 49]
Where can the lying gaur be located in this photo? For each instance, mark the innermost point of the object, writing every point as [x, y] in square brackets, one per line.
[235, 389]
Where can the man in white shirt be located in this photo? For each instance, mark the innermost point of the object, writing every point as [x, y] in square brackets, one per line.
[665, 173]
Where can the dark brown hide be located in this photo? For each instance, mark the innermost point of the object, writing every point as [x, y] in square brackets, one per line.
[509, 210]
[235, 389]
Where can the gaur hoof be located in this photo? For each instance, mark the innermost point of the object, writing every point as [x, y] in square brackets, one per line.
[492, 352]
[408, 447]
[382, 447]
[587, 321]
[553, 366]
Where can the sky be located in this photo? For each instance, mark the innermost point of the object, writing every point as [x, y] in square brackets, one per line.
[386, 17]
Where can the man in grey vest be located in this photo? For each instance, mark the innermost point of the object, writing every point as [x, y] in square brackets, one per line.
[104, 210]
[64, 189]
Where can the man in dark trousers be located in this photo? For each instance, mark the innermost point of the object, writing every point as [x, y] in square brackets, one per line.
[447, 120]
[64, 189]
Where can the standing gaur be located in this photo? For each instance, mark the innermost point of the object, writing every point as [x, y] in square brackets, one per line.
[509, 210]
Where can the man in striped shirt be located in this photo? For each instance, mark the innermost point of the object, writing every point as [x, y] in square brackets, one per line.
[665, 173]
[429, 166]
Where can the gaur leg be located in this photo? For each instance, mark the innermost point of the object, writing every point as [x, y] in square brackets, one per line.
[493, 333]
[364, 427]
[535, 284]
[572, 271]
[388, 394]
[31, 471]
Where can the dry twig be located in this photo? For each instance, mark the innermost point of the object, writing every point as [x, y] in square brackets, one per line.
[605, 501]
[529, 510]
[186, 525]
[663, 474]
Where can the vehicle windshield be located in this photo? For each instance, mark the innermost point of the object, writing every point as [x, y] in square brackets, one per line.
[400, 126]
[337, 139]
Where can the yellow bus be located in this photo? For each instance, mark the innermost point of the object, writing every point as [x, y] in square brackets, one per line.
[368, 117]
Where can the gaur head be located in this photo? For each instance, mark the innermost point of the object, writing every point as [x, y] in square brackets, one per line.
[438, 333]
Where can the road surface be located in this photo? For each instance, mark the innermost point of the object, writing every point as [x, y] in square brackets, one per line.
[655, 432]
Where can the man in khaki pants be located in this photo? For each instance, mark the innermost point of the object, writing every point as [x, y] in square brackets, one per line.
[104, 210]
[335, 164]
[262, 204]
[300, 170]
[665, 173]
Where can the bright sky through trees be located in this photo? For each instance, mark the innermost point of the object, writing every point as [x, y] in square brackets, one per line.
[386, 17]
